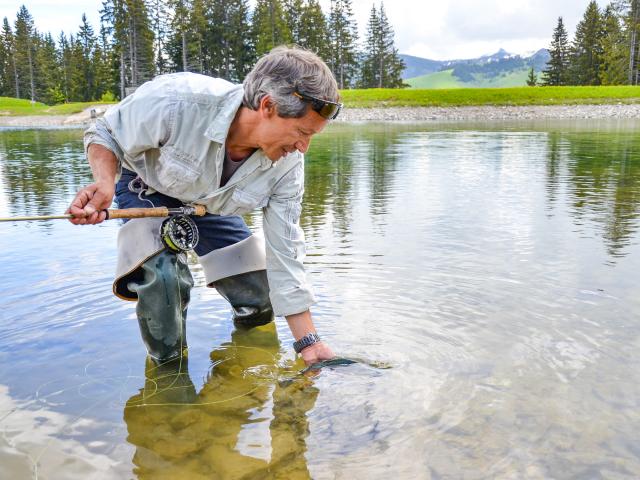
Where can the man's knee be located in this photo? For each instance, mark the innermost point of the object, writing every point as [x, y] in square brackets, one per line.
[248, 294]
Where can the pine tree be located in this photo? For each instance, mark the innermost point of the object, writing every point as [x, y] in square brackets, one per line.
[532, 78]
[557, 71]
[343, 36]
[632, 21]
[25, 52]
[614, 64]
[4, 67]
[127, 23]
[382, 67]
[10, 82]
[586, 51]
[114, 23]
[369, 77]
[64, 60]
[86, 69]
[159, 23]
[239, 51]
[76, 87]
[188, 44]
[179, 43]
[106, 69]
[391, 65]
[142, 65]
[215, 49]
[313, 30]
[293, 13]
[48, 85]
[269, 26]
[199, 32]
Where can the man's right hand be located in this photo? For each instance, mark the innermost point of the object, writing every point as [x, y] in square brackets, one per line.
[90, 202]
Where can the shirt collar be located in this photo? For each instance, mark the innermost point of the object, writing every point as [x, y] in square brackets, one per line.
[227, 109]
[219, 128]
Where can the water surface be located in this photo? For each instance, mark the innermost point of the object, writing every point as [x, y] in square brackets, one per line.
[493, 267]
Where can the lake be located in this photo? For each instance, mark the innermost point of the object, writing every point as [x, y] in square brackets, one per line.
[484, 275]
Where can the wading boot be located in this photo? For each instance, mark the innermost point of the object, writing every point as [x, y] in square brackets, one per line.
[163, 290]
[248, 294]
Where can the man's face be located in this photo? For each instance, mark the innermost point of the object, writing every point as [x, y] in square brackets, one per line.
[280, 136]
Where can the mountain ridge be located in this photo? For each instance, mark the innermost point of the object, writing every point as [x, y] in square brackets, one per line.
[500, 69]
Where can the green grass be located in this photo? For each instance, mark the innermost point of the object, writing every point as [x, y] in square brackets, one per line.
[376, 97]
[515, 78]
[446, 79]
[18, 107]
[439, 80]
[410, 97]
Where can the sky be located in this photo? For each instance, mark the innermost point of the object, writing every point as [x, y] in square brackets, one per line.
[438, 30]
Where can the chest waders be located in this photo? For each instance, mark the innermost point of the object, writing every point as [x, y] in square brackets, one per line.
[151, 272]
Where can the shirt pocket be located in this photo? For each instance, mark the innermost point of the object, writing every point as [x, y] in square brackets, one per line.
[177, 172]
[244, 201]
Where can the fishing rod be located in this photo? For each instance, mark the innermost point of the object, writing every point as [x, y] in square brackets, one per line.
[178, 232]
[113, 213]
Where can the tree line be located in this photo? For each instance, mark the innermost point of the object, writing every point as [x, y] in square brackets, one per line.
[604, 51]
[139, 39]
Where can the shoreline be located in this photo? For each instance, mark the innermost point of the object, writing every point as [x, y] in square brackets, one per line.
[396, 114]
[490, 113]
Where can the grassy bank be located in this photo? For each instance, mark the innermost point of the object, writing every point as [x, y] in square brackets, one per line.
[19, 107]
[490, 96]
[375, 97]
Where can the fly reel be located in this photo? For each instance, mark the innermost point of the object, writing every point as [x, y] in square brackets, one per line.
[179, 233]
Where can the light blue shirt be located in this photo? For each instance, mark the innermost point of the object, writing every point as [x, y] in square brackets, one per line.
[172, 132]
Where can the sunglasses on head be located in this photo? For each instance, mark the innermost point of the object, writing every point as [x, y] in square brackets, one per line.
[324, 108]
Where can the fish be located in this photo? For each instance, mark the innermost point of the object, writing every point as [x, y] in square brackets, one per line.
[334, 362]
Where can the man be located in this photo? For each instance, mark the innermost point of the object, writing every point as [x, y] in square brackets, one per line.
[190, 139]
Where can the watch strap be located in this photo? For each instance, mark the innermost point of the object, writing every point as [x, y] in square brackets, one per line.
[306, 341]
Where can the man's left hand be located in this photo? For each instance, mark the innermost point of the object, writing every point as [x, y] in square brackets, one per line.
[317, 353]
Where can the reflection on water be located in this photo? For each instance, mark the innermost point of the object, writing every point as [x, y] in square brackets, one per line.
[598, 172]
[216, 432]
[494, 267]
[38, 167]
[601, 172]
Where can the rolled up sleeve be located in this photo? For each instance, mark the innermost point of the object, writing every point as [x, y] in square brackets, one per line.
[98, 134]
[138, 123]
[285, 246]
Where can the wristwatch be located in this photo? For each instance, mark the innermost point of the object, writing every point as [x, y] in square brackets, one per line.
[306, 341]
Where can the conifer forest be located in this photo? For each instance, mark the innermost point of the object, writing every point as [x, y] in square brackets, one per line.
[605, 49]
[139, 39]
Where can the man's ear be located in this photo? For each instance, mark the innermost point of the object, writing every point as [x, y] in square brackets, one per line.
[267, 106]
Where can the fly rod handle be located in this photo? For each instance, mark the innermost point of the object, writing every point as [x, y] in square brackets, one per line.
[136, 212]
[198, 210]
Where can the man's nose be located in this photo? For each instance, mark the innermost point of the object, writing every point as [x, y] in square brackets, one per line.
[302, 146]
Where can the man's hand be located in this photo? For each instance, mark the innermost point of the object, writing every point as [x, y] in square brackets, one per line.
[316, 353]
[90, 202]
[301, 324]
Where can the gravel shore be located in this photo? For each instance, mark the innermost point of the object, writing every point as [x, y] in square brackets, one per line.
[413, 114]
[398, 114]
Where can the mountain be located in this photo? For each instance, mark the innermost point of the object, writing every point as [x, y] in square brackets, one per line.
[501, 69]
[416, 66]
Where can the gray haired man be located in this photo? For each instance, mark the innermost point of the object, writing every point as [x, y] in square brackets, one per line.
[186, 138]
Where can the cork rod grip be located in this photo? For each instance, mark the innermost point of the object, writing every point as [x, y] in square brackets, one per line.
[200, 210]
[137, 212]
